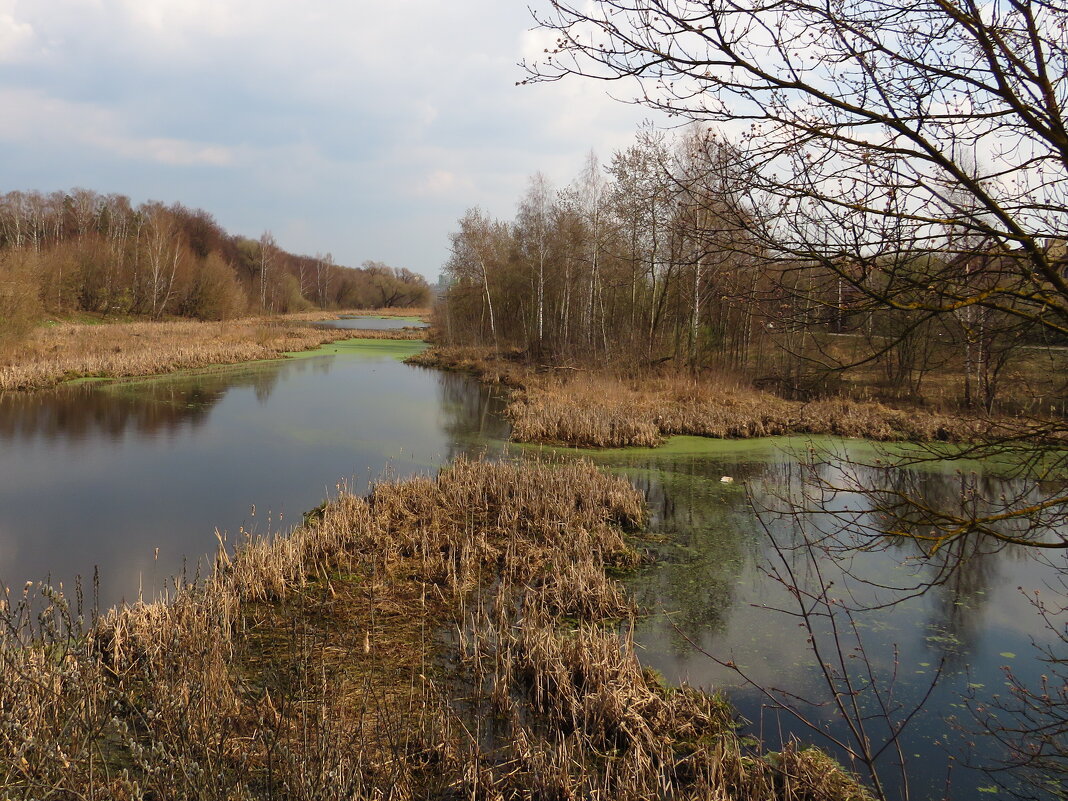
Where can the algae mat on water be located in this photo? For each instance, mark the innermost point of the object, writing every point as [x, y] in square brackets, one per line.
[939, 457]
[368, 348]
[399, 349]
[402, 318]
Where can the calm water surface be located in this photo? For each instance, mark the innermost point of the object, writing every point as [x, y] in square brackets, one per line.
[134, 478]
[373, 323]
[968, 613]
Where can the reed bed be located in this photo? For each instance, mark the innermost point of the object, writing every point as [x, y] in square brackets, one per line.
[602, 410]
[316, 665]
[74, 350]
[405, 334]
[422, 312]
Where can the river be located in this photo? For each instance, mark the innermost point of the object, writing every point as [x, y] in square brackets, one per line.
[132, 480]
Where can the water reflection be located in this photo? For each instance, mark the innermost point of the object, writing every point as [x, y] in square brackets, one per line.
[734, 552]
[472, 415]
[134, 478]
[372, 323]
[113, 411]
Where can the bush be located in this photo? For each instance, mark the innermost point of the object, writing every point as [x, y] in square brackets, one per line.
[20, 304]
[215, 293]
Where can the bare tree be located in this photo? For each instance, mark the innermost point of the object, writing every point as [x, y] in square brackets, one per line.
[865, 122]
[593, 198]
[871, 130]
[533, 230]
[475, 251]
[268, 252]
[323, 267]
[164, 255]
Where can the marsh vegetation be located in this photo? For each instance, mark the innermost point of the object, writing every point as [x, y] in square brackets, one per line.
[225, 438]
[312, 666]
[602, 408]
[881, 254]
[58, 352]
[83, 253]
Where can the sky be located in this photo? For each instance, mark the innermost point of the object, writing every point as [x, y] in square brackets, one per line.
[363, 130]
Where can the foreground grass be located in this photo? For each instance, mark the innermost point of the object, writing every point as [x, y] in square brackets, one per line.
[603, 410]
[319, 665]
[76, 350]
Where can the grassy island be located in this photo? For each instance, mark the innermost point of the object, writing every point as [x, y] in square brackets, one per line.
[448, 637]
[71, 350]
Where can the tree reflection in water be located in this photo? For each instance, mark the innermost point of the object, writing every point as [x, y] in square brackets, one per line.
[133, 477]
[148, 407]
[472, 415]
[951, 613]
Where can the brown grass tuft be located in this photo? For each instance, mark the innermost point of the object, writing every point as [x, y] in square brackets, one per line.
[318, 665]
[74, 350]
[603, 410]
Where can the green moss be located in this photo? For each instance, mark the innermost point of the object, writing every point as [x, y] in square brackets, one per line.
[407, 319]
[938, 457]
[399, 349]
[367, 348]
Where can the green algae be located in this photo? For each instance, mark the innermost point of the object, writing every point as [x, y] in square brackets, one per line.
[407, 319]
[940, 457]
[399, 349]
[367, 348]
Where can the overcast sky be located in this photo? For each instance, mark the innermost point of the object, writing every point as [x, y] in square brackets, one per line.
[360, 129]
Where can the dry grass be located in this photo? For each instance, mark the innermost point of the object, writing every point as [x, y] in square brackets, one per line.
[69, 350]
[596, 409]
[311, 666]
[406, 334]
[422, 312]
[73, 350]
[311, 316]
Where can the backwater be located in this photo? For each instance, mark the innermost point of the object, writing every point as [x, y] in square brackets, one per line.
[131, 479]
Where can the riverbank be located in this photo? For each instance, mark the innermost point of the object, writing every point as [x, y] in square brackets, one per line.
[321, 664]
[68, 350]
[584, 408]
[421, 313]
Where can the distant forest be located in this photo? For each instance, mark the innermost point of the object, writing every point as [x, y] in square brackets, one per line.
[663, 256]
[82, 251]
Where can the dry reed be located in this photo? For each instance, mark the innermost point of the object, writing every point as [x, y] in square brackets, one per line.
[73, 350]
[594, 409]
[405, 334]
[422, 312]
[313, 666]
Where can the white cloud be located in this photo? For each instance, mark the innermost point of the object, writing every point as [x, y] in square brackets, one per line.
[363, 118]
[442, 183]
[38, 119]
[170, 17]
[173, 152]
[16, 38]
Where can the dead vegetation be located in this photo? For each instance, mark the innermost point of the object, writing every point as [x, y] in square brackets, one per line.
[403, 334]
[319, 666]
[421, 312]
[598, 409]
[74, 350]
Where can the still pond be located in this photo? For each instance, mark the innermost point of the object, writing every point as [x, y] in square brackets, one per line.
[133, 479]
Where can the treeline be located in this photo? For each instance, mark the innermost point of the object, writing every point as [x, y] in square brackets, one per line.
[662, 257]
[83, 251]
